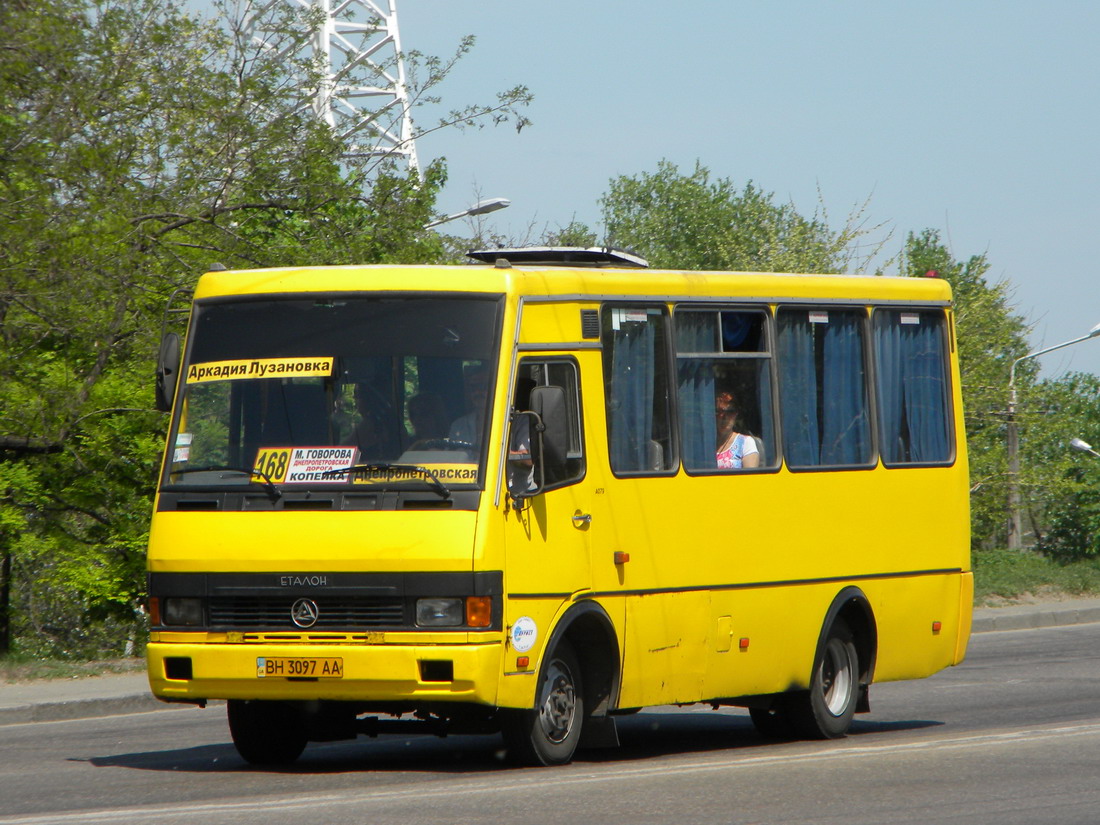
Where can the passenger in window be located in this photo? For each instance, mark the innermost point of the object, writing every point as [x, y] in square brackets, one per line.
[735, 450]
[467, 428]
[367, 433]
[427, 416]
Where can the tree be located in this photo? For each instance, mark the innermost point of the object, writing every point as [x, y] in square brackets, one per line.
[138, 145]
[688, 221]
[1064, 506]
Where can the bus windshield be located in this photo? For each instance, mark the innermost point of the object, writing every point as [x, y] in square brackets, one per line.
[294, 392]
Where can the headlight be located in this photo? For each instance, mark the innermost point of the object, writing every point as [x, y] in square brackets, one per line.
[185, 612]
[440, 612]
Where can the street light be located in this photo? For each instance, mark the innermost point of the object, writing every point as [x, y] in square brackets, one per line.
[482, 207]
[1083, 446]
[1013, 445]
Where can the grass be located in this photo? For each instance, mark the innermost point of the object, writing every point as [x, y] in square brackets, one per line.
[15, 668]
[1007, 577]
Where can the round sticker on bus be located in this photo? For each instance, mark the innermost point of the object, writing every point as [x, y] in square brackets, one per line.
[524, 633]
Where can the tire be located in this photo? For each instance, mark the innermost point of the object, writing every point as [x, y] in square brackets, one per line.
[267, 733]
[548, 734]
[826, 710]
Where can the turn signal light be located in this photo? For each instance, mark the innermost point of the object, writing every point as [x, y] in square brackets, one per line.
[479, 612]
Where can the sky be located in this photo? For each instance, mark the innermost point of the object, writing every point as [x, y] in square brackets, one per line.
[977, 118]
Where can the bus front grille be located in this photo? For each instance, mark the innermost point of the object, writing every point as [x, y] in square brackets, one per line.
[275, 612]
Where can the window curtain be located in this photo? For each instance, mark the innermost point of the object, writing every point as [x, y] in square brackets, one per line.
[925, 402]
[890, 363]
[798, 389]
[696, 332]
[845, 428]
[912, 388]
[630, 400]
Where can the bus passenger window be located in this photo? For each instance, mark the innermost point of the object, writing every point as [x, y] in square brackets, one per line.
[822, 387]
[913, 387]
[723, 373]
[638, 389]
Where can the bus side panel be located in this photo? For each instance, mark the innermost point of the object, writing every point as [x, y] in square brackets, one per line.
[760, 648]
[665, 634]
[919, 622]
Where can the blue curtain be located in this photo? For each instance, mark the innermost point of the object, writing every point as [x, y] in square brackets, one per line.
[798, 389]
[912, 391]
[696, 332]
[846, 436]
[630, 399]
[925, 391]
[890, 365]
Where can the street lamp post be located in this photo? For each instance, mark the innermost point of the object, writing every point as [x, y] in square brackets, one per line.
[1013, 443]
[482, 207]
[1083, 446]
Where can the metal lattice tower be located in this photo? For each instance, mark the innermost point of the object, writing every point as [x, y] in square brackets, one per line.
[356, 39]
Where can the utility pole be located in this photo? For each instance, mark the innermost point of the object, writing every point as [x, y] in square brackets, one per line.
[363, 93]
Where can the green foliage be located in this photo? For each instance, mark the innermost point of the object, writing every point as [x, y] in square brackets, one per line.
[138, 145]
[1065, 504]
[688, 221]
[1001, 575]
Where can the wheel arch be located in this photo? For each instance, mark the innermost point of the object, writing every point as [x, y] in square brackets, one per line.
[852, 605]
[591, 634]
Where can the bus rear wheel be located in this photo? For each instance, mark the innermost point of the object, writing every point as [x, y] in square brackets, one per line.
[548, 734]
[826, 710]
[267, 733]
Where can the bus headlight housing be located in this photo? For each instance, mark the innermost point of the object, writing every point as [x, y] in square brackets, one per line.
[182, 612]
[437, 612]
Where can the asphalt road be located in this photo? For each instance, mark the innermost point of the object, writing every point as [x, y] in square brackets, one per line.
[1011, 736]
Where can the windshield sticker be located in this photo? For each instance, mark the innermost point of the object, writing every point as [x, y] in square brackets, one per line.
[183, 447]
[260, 368]
[304, 465]
[446, 473]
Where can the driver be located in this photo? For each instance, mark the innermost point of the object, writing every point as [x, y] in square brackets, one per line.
[467, 428]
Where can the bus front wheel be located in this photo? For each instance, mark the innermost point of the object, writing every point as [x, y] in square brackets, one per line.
[826, 710]
[267, 733]
[548, 734]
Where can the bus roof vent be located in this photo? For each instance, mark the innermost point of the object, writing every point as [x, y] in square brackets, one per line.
[559, 256]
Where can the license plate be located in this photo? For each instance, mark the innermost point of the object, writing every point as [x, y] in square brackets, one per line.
[296, 667]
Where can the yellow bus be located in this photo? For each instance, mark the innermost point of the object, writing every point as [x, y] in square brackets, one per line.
[528, 495]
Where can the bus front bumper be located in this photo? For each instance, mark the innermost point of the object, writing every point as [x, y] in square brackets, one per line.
[195, 672]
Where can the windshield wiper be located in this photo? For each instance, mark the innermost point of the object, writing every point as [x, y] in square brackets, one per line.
[273, 492]
[430, 478]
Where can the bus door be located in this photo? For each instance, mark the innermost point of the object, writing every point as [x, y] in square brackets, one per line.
[546, 534]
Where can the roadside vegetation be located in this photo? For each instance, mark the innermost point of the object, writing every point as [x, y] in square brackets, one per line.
[1004, 577]
[140, 144]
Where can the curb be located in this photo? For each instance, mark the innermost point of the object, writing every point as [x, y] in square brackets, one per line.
[79, 709]
[1032, 618]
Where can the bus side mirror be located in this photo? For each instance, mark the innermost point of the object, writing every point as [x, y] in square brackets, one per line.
[549, 405]
[525, 468]
[168, 367]
[537, 444]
